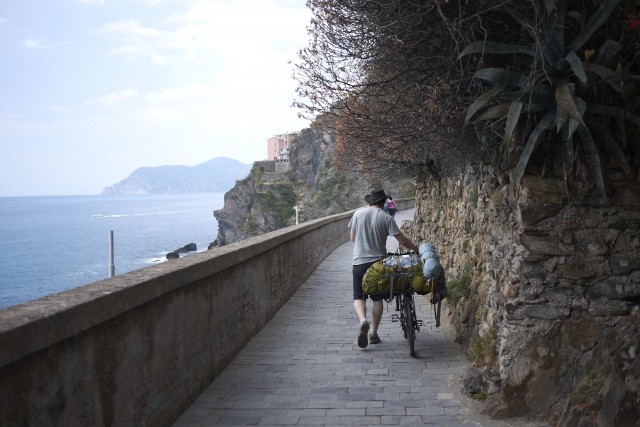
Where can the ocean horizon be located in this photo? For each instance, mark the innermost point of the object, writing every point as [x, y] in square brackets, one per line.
[54, 243]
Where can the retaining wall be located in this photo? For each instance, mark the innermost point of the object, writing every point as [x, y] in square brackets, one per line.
[550, 311]
[139, 348]
[403, 204]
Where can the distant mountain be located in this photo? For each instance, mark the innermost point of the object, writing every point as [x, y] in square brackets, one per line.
[216, 175]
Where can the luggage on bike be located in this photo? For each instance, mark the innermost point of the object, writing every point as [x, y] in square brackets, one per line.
[434, 277]
[377, 279]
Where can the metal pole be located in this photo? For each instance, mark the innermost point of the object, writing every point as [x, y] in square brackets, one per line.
[296, 208]
[112, 267]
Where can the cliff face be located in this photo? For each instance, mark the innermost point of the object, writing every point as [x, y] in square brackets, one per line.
[546, 292]
[265, 200]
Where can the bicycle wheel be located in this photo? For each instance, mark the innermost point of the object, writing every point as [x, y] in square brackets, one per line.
[409, 319]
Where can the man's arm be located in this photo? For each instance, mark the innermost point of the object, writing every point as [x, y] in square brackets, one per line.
[352, 234]
[404, 241]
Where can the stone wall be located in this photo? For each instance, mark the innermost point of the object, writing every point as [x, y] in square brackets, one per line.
[137, 349]
[551, 318]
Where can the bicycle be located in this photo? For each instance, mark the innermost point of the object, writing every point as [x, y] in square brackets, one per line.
[400, 268]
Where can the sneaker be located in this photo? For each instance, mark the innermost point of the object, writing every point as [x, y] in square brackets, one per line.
[363, 341]
[374, 339]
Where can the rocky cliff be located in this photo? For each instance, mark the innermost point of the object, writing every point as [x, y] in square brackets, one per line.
[265, 200]
[545, 293]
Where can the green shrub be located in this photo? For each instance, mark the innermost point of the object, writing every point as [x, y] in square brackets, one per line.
[256, 170]
[473, 196]
[279, 200]
[461, 286]
[482, 349]
[332, 190]
[481, 396]
[252, 228]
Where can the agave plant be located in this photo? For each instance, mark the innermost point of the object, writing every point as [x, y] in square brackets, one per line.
[571, 92]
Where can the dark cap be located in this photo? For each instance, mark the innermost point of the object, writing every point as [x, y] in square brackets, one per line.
[367, 199]
[377, 196]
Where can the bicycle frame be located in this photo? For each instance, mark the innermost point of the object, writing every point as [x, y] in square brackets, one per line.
[405, 304]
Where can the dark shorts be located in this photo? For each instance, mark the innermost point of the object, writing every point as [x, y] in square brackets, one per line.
[358, 274]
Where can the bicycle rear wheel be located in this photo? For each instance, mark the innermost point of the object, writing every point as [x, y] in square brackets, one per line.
[409, 319]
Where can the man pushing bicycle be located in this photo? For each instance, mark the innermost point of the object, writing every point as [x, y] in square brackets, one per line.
[369, 228]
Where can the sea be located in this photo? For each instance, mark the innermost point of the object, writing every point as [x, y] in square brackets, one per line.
[56, 243]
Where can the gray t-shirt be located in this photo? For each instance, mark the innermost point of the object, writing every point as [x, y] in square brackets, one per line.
[372, 226]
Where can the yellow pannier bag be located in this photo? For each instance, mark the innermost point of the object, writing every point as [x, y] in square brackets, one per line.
[420, 285]
[377, 278]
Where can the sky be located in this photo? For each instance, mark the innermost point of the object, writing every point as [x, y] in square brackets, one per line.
[91, 90]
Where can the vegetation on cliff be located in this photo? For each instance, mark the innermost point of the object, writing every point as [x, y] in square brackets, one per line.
[279, 200]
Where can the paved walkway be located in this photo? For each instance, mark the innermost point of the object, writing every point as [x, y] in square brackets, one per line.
[305, 367]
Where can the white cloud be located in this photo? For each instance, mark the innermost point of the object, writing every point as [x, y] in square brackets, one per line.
[131, 27]
[32, 42]
[240, 50]
[140, 41]
[227, 31]
[118, 97]
[159, 59]
[235, 30]
[173, 95]
[126, 50]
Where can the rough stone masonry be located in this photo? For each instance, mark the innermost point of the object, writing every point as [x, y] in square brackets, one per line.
[555, 286]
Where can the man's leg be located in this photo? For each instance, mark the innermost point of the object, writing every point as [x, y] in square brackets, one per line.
[376, 317]
[360, 304]
[360, 307]
[376, 314]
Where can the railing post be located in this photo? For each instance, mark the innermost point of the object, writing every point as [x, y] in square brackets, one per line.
[112, 267]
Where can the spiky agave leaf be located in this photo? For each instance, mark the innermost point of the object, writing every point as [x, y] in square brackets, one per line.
[593, 158]
[532, 142]
[513, 116]
[500, 76]
[608, 52]
[576, 66]
[499, 111]
[612, 147]
[481, 101]
[565, 100]
[568, 150]
[497, 48]
[600, 17]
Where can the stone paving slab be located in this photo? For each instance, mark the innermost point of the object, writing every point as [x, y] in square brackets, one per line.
[305, 367]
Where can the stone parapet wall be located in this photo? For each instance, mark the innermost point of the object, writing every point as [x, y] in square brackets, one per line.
[265, 165]
[137, 349]
[555, 291]
[283, 166]
[403, 204]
